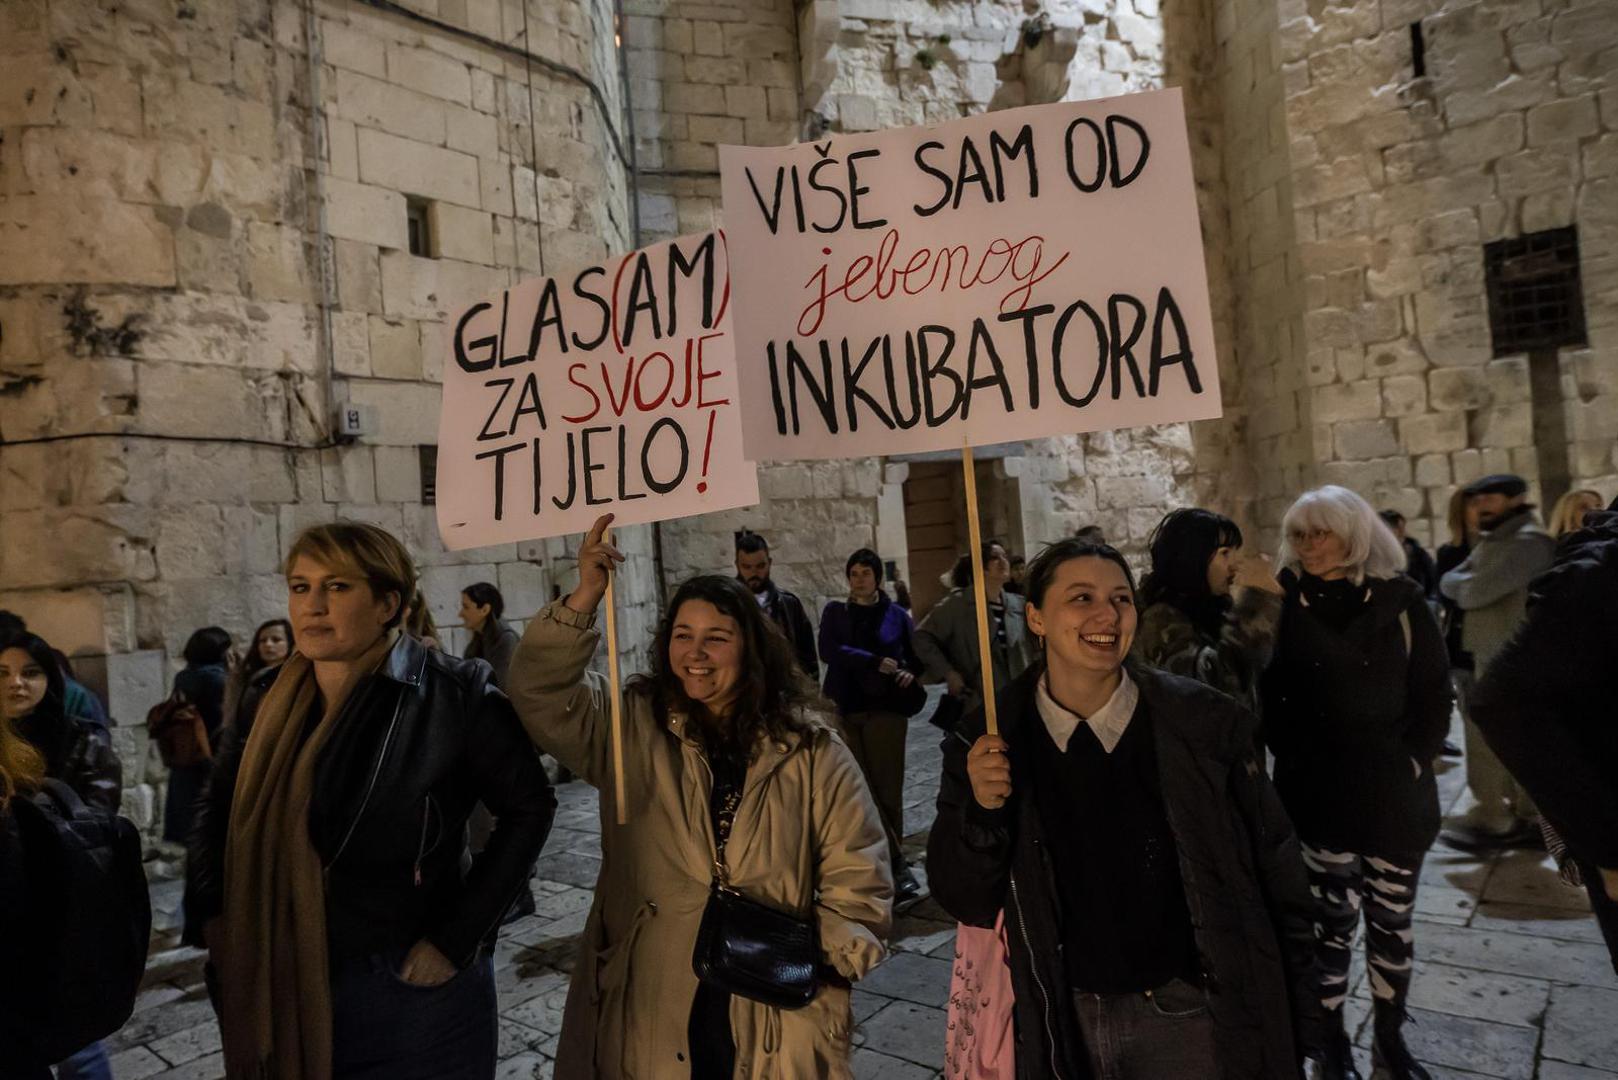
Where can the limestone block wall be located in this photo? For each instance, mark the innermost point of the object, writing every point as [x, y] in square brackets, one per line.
[1398, 182]
[1260, 280]
[203, 210]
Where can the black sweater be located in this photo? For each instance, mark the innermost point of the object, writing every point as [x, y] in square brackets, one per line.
[1125, 926]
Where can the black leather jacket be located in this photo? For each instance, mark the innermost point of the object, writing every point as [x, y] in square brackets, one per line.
[79, 753]
[417, 744]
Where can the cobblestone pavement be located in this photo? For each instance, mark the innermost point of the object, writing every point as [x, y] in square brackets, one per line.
[1511, 979]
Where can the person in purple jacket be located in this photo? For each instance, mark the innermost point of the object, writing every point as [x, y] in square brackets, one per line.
[872, 676]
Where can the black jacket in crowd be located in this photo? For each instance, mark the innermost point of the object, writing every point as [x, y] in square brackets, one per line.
[1449, 557]
[416, 745]
[1546, 704]
[787, 612]
[1347, 713]
[1420, 568]
[79, 753]
[1245, 887]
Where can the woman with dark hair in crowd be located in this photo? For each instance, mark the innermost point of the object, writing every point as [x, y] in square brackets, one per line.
[272, 644]
[734, 779]
[329, 873]
[75, 750]
[871, 672]
[202, 683]
[1356, 704]
[1462, 519]
[1123, 823]
[1189, 624]
[491, 638]
[947, 638]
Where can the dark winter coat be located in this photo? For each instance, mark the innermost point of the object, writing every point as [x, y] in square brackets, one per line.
[416, 745]
[1239, 860]
[852, 679]
[1449, 557]
[79, 753]
[1546, 703]
[1230, 661]
[786, 611]
[1420, 568]
[1352, 715]
[496, 642]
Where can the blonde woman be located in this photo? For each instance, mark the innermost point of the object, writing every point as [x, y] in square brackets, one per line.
[1356, 703]
[329, 871]
[1568, 514]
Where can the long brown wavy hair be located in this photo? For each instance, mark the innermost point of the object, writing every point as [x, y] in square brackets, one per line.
[771, 693]
[22, 768]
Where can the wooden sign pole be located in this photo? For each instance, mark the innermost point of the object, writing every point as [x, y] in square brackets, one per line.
[617, 697]
[975, 532]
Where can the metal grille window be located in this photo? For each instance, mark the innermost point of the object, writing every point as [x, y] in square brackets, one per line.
[429, 474]
[1536, 299]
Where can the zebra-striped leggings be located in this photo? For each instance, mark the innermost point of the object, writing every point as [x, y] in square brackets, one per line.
[1343, 882]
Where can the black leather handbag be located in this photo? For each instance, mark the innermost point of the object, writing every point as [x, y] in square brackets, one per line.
[754, 951]
[750, 949]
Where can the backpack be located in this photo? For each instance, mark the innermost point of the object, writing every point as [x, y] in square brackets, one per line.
[91, 924]
[176, 725]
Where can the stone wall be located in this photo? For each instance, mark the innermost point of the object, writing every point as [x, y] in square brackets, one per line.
[205, 237]
[1398, 182]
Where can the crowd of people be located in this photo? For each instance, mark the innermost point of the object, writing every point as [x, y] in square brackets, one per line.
[1250, 747]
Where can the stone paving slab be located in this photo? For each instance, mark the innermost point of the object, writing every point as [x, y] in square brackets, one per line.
[1512, 981]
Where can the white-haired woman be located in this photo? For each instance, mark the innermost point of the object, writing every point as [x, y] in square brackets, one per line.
[1356, 704]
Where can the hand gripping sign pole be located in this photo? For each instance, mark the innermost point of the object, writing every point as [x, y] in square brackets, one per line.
[980, 596]
[617, 695]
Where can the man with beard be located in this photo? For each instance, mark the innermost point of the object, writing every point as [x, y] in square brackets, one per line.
[1491, 587]
[782, 607]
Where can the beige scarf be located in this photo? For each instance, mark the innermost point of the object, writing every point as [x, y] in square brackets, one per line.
[275, 1015]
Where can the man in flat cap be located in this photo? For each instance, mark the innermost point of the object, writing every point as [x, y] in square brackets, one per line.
[1491, 586]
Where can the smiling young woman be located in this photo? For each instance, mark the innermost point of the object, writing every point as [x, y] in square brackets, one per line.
[1108, 968]
[729, 757]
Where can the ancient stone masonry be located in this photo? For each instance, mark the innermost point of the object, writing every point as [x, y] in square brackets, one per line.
[207, 236]
[1398, 180]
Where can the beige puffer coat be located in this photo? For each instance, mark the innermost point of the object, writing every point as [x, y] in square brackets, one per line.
[806, 838]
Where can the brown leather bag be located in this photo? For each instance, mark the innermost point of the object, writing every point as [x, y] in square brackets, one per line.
[175, 724]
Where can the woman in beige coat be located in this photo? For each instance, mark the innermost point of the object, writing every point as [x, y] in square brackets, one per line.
[722, 714]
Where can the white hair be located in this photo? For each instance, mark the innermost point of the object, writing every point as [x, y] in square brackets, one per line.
[1373, 550]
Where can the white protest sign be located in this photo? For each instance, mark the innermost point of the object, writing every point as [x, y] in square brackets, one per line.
[612, 389]
[1013, 275]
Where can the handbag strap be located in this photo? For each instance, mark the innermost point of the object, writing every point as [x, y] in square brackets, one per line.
[724, 817]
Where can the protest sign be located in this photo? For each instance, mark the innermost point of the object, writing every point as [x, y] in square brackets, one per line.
[610, 389]
[1024, 273]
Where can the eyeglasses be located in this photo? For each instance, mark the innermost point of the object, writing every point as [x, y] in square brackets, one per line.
[1312, 536]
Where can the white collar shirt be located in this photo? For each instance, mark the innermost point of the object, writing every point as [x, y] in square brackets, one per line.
[1108, 722]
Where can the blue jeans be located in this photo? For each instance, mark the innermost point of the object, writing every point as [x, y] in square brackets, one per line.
[383, 1028]
[88, 1064]
[1165, 1033]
